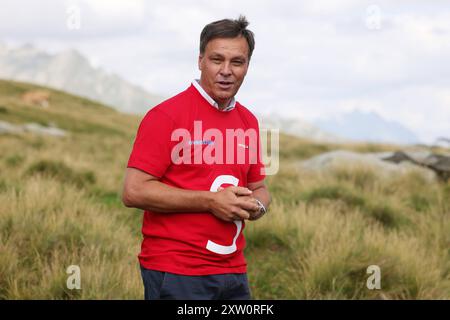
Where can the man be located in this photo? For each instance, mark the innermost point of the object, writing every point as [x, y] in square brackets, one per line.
[198, 191]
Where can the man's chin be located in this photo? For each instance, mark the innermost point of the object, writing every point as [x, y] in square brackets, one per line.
[223, 100]
[224, 95]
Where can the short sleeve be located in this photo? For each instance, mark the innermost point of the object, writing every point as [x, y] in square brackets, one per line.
[151, 148]
[257, 170]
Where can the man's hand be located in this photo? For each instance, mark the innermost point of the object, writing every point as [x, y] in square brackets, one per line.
[256, 213]
[233, 203]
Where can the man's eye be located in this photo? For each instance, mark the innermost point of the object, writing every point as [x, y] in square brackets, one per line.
[216, 60]
[237, 63]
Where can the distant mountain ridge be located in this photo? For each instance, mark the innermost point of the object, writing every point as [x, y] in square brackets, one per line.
[299, 128]
[367, 126]
[70, 71]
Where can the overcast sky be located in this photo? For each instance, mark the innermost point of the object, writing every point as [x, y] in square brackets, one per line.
[312, 58]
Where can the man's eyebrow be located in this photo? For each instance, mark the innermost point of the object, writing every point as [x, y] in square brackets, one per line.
[216, 54]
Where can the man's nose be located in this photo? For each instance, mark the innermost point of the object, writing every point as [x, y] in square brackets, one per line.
[226, 69]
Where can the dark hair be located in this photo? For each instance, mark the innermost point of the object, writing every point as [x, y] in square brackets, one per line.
[227, 28]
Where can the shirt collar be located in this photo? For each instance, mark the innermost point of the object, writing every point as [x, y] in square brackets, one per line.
[196, 84]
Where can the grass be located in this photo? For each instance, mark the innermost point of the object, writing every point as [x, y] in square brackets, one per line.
[60, 206]
[60, 171]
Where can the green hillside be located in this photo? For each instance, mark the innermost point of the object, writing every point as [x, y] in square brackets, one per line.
[60, 206]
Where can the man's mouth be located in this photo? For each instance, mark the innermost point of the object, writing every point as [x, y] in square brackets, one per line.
[225, 85]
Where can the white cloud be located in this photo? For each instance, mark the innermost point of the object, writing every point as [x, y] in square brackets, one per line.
[312, 58]
[115, 8]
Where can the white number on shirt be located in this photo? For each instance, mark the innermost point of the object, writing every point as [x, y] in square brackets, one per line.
[211, 245]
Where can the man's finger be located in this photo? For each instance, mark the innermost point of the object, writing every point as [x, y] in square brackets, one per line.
[248, 205]
[242, 215]
[241, 191]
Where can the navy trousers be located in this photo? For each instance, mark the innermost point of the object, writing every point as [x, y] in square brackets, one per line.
[169, 286]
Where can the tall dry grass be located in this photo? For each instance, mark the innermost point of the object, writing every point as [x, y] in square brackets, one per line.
[60, 206]
[324, 229]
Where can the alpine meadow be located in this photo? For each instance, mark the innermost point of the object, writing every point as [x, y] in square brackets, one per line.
[60, 205]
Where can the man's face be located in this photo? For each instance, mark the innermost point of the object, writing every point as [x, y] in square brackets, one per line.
[223, 68]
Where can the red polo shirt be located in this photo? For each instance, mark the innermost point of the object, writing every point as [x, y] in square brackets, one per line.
[189, 144]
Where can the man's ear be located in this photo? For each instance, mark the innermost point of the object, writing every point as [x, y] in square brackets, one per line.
[200, 57]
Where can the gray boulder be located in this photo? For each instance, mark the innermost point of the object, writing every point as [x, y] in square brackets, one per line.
[375, 161]
[9, 128]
